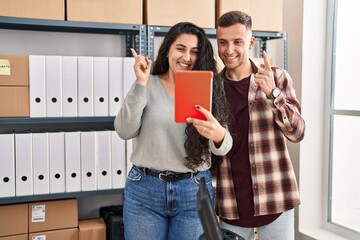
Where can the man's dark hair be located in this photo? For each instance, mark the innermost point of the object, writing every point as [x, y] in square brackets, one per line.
[234, 17]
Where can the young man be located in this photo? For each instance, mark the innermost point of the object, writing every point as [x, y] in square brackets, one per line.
[256, 184]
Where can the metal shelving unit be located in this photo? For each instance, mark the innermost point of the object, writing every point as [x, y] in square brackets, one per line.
[135, 35]
[262, 37]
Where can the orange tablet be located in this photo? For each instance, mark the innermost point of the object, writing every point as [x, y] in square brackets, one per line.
[192, 88]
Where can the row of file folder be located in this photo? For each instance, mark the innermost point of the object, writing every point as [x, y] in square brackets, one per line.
[78, 86]
[59, 162]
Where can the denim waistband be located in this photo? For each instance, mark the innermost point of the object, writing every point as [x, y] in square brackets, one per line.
[168, 175]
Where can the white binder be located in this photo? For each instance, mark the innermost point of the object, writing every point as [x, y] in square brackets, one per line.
[57, 162]
[129, 149]
[129, 75]
[85, 87]
[129, 79]
[88, 161]
[40, 149]
[101, 86]
[53, 78]
[7, 165]
[23, 164]
[116, 85]
[103, 155]
[118, 161]
[37, 86]
[72, 162]
[70, 88]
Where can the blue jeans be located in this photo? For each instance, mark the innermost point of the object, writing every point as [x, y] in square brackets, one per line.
[280, 229]
[160, 210]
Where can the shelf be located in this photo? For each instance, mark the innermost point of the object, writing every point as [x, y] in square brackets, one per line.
[65, 26]
[211, 33]
[55, 196]
[135, 33]
[261, 36]
[20, 125]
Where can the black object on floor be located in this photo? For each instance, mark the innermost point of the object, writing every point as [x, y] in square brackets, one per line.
[113, 217]
[212, 230]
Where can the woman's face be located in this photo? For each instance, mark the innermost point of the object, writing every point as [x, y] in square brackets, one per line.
[183, 52]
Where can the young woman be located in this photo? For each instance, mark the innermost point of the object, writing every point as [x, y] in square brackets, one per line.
[170, 158]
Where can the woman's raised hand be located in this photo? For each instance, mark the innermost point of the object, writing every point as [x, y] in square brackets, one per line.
[142, 68]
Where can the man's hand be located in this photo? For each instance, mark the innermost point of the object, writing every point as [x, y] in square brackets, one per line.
[264, 78]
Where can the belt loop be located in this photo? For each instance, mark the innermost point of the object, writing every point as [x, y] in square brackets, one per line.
[144, 171]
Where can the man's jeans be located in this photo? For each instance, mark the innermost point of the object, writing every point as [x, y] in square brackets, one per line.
[280, 229]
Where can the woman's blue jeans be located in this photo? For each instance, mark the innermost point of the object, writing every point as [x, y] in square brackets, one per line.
[160, 210]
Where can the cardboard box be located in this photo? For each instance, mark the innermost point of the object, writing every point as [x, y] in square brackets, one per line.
[14, 70]
[13, 218]
[62, 234]
[170, 12]
[16, 237]
[266, 15]
[111, 11]
[52, 215]
[14, 102]
[42, 9]
[92, 229]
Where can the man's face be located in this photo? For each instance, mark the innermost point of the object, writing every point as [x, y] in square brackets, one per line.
[234, 43]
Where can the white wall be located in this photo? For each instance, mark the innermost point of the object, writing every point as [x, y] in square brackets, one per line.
[305, 23]
[292, 25]
[313, 84]
[307, 60]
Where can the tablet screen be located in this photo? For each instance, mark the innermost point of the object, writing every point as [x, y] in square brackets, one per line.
[192, 88]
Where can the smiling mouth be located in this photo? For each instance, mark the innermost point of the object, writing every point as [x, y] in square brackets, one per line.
[184, 65]
[230, 57]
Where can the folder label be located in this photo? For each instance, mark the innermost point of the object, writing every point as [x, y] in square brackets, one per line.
[5, 67]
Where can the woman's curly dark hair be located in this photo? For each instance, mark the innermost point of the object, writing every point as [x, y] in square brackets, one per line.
[196, 146]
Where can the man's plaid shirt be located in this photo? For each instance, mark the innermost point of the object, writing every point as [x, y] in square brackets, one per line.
[271, 123]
